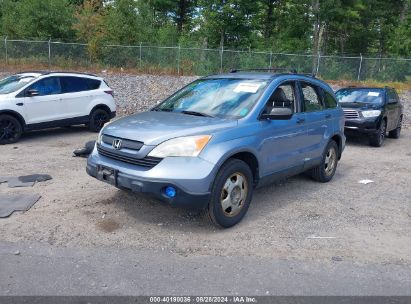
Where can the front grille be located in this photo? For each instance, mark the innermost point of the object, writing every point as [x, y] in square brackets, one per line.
[351, 114]
[125, 143]
[148, 162]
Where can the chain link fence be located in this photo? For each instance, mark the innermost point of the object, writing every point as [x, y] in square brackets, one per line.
[23, 54]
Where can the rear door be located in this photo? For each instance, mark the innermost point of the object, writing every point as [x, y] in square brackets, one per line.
[284, 140]
[319, 120]
[78, 93]
[46, 106]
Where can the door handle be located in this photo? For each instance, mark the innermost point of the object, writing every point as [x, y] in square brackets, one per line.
[19, 104]
[300, 120]
[327, 116]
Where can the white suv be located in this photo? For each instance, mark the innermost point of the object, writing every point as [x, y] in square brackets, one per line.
[37, 100]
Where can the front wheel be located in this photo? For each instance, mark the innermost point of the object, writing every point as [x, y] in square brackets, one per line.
[378, 138]
[231, 194]
[325, 171]
[97, 120]
[10, 129]
[397, 131]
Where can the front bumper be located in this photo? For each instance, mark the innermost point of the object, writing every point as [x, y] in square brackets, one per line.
[192, 179]
[362, 126]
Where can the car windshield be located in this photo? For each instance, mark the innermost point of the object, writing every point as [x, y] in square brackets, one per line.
[13, 83]
[224, 98]
[360, 95]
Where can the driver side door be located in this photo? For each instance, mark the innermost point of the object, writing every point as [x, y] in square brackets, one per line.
[46, 105]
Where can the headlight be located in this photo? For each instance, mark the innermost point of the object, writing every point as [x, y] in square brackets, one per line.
[190, 146]
[373, 113]
[100, 135]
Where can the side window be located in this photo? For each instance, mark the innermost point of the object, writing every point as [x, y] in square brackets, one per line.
[46, 86]
[312, 100]
[71, 84]
[329, 100]
[392, 96]
[283, 97]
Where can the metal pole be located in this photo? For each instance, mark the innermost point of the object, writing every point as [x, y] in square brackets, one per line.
[178, 59]
[318, 64]
[5, 45]
[49, 53]
[221, 59]
[359, 69]
[141, 63]
[271, 60]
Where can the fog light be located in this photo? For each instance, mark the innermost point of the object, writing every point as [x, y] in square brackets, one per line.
[170, 192]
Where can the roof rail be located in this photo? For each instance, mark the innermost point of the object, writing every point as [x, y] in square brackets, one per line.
[70, 72]
[285, 70]
[288, 70]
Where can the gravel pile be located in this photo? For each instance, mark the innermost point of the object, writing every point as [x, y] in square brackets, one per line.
[135, 93]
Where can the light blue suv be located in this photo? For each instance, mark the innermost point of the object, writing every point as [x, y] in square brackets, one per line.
[212, 143]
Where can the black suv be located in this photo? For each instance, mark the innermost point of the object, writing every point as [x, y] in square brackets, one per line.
[371, 111]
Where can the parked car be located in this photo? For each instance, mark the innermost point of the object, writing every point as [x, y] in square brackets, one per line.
[211, 143]
[39, 100]
[371, 111]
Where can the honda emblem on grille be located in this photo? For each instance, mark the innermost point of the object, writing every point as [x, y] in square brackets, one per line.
[117, 144]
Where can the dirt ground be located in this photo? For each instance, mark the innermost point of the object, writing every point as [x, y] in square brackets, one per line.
[354, 222]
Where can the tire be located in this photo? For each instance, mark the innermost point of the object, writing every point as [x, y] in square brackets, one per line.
[98, 118]
[377, 139]
[10, 129]
[231, 194]
[325, 171]
[397, 131]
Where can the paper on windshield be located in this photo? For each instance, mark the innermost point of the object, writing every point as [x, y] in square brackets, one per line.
[374, 94]
[247, 87]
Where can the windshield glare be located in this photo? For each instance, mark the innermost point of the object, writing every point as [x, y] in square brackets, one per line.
[224, 98]
[13, 83]
[362, 96]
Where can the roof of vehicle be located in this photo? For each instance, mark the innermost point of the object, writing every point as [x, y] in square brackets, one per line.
[43, 73]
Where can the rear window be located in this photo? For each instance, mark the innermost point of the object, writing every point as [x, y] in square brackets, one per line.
[70, 84]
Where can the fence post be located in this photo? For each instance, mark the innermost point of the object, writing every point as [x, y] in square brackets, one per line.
[5, 46]
[359, 69]
[318, 64]
[49, 44]
[141, 63]
[178, 59]
[271, 59]
[221, 58]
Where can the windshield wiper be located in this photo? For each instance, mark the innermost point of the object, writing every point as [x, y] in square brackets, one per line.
[161, 110]
[196, 113]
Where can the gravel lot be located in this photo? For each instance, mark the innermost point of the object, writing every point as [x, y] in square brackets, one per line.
[360, 223]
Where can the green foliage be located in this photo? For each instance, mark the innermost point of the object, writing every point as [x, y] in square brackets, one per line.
[37, 18]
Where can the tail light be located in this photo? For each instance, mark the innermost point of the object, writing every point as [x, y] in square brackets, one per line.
[110, 92]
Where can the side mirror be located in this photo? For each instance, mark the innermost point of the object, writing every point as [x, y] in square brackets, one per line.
[32, 92]
[392, 100]
[278, 114]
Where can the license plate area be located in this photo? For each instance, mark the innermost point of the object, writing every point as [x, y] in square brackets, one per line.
[108, 175]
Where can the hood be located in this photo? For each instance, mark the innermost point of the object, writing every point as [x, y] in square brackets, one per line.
[360, 105]
[153, 127]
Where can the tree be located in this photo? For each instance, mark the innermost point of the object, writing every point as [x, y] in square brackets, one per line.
[37, 19]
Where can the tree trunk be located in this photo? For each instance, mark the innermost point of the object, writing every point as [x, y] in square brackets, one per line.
[268, 29]
[316, 37]
[181, 18]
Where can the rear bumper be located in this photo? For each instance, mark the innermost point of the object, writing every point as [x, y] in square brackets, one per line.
[191, 193]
